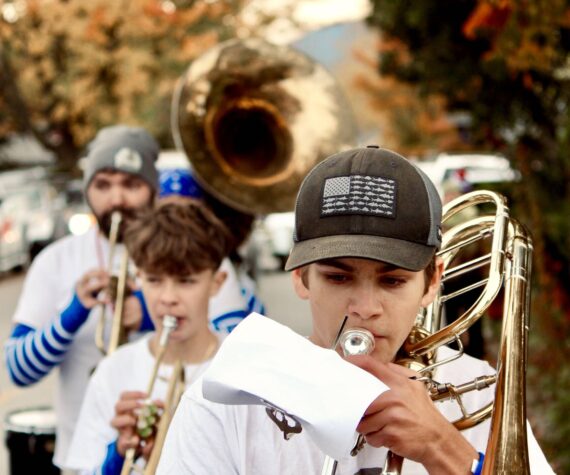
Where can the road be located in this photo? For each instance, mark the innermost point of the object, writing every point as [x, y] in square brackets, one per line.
[275, 290]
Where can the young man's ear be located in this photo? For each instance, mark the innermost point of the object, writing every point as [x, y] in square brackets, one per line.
[433, 287]
[217, 281]
[300, 282]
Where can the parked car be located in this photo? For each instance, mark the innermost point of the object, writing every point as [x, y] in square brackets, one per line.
[478, 168]
[30, 215]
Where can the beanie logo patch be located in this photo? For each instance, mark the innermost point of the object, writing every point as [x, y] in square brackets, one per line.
[128, 159]
[359, 194]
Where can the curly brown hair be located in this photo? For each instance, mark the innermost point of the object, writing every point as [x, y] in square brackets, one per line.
[177, 238]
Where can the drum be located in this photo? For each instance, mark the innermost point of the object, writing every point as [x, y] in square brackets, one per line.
[30, 439]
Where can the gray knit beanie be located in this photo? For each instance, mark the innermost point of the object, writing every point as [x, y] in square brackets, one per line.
[123, 148]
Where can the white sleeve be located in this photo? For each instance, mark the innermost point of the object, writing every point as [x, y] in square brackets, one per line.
[37, 304]
[196, 442]
[93, 431]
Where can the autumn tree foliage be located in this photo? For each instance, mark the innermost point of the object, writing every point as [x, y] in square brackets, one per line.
[505, 64]
[68, 67]
[414, 124]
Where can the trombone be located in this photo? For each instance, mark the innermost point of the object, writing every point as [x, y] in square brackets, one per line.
[146, 424]
[509, 269]
[117, 291]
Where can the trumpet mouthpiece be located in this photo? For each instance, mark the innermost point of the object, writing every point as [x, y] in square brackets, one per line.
[356, 341]
[169, 324]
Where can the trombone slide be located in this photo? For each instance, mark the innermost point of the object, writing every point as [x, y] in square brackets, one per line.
[174, 392]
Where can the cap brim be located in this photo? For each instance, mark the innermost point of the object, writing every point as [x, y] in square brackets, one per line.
[404, 254]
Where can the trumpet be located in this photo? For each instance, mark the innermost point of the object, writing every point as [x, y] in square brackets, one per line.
[509, 267]
[117, 291]
[148, 416]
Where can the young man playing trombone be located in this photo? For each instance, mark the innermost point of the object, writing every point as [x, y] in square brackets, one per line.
[178, 249]
[367, 229]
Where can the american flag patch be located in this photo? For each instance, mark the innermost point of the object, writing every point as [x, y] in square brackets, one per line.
[359, 194]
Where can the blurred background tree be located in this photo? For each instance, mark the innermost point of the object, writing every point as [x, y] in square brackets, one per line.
[504, 67]
[409, 122]
[69, 67]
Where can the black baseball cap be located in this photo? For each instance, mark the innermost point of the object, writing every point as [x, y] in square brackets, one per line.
[370, 203]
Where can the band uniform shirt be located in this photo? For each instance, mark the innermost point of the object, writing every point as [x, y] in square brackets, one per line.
[207, 438]
[127, 369]
[49, 288]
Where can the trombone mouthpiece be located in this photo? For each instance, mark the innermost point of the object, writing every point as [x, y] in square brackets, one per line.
[115, 218]
[169, 324]
[356, 341]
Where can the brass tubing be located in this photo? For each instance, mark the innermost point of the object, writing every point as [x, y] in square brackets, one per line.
[507, 449]
[168, 326]
[116, 219]
[118, 332]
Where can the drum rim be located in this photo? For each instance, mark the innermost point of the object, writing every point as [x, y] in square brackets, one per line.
[11, 427]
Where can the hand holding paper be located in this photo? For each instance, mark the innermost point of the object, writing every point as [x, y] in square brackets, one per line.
[264, 360]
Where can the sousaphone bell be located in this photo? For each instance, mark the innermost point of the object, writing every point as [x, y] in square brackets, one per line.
[254, 118]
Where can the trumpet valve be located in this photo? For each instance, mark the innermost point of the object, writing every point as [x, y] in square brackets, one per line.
[147, 420]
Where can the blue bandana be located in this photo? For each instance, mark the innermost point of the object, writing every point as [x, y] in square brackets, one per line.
[179, 181]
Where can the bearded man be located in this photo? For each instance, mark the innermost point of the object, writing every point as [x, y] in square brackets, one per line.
[64, 291]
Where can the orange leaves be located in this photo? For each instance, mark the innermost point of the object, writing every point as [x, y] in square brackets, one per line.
[97, 21]
[522, 34]
[412, 124]
[487, 16]
[88, 63]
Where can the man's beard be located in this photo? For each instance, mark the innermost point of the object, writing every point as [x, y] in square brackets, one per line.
[104, 221]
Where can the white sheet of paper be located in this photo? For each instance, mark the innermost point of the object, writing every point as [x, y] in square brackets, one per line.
[262, 359]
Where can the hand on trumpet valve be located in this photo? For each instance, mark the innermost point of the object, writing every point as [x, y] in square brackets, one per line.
[147, 420]
[136, 419]
[90, 288]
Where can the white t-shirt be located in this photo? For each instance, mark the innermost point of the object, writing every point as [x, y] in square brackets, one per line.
[127, 369]
[206, 438]
[48, 290]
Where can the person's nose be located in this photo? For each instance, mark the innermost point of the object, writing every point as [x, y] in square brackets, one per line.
[365, 302]
[168, 295]
[117, 197]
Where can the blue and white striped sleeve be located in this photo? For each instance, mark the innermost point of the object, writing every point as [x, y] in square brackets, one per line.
[31, 353]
